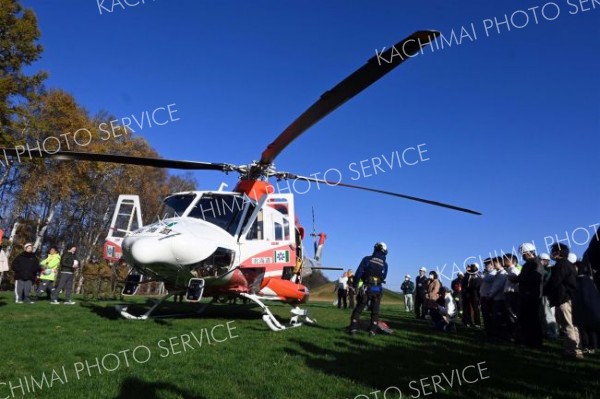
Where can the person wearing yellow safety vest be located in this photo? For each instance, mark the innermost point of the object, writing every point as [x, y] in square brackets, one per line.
[49, 272]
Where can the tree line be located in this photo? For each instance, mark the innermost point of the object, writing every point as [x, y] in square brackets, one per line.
[51, 202]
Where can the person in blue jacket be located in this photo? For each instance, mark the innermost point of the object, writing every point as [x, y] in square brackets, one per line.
[372, 272]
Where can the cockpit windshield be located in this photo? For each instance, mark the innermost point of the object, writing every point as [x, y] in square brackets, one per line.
[222, 210]
[177, 204]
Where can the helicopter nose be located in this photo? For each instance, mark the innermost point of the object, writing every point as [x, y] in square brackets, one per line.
[147, 250]
[191, 243]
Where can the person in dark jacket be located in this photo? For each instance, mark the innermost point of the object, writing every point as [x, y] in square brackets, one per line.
[560, 289]
[588, 335]
[456, 287]
[470, 296]
[26, 267]
[68, 265]
[421, 293]
[372, 271]
[408, 288]
[592, 255]
[530, 282]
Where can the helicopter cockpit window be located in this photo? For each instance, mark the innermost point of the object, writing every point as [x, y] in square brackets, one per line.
[256, 232]
[278, 232]
[286, 229]
[224, 211]
[177, 204]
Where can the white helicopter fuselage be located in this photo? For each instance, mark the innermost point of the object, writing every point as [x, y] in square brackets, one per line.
[226, 238]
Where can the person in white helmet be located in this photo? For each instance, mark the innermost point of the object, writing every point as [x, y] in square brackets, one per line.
[372, 271]
[530, 296]
[408, 288]
[550, 326]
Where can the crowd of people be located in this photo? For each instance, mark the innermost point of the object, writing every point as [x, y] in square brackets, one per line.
[46, 279]
[546, 297]
[28, 270]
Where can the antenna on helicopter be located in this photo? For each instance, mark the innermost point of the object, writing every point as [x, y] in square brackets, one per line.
[314, 233]
[318, 246]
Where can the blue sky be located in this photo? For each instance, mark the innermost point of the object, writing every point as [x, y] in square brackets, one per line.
[510, 119]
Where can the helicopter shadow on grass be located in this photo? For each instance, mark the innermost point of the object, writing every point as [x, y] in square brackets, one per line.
[134, 387]
[173, 311]
[416, 351]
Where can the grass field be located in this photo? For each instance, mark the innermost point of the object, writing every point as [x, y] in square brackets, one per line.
[173, 358]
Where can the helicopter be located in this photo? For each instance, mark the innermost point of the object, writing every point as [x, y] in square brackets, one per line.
[247, 242]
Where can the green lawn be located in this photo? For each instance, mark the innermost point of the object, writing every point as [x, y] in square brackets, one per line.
[175, 359]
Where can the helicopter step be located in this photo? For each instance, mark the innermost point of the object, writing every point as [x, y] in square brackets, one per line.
[195, 290]
[300, 315]
[132, 284]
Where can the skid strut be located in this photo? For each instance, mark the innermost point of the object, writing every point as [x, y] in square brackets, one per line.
[300, 315]
[122, 309]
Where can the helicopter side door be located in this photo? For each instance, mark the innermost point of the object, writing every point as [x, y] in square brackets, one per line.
[267, 239]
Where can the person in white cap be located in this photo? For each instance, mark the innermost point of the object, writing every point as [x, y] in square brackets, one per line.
[408, 288]
[572, 258]
[561, 288]
[530, 296]
[26, 267]
[421, 293]
[511, 291]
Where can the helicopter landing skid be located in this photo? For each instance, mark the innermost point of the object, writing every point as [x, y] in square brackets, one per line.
[122, 309]
[300, 315]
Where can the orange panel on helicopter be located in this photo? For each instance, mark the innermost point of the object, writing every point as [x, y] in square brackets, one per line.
[254, 188]
[285, 289]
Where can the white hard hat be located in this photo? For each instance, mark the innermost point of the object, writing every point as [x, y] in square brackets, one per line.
[545, 256]
[572, 257]
[526, 247]
[407, 276]
[381, 246]
[422, 269]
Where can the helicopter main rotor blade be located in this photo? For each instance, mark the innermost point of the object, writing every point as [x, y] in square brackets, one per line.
[284, 175]
[120, 159]
[362, 78]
